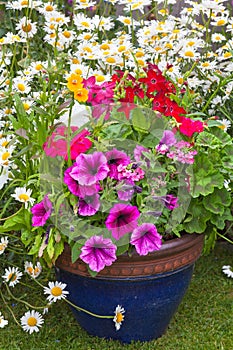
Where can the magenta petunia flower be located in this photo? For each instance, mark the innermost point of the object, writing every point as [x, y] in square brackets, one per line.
[115, 158]
[146, 239]
[89, 205]
[90, 168]
[122, 219]
[77, 189]
[41, 212]
[98, 252]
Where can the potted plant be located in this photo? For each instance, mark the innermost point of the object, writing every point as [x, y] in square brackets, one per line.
[115, 160]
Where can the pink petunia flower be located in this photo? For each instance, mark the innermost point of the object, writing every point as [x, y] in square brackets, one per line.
[90, 168]
[41, 212]
[98, 252]
[122, 219]
[146, 239]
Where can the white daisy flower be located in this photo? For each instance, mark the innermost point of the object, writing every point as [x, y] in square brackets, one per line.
[4, 177]
[26, 28]
[31, 321]
[21, 85]
[33, 271]
[55, 291]
[12, 276]
[119, 317]
[23, 195]
[227, 270]
[226, 124]
[5, 154]
[3, 322]
[3, 244]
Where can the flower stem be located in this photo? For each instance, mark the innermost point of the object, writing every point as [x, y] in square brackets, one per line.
[86, 311]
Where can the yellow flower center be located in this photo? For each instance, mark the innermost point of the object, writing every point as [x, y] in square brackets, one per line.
[205, 64]
[24, 2]
[227, 54]
[139, 54]
[56, 291]
[26, 106]
[12, 277]
[66, 34]
[85, 24]
[30, 270]
[5, 155]
[24, 197]
[49, 8]
[75, 61]
[21, 87]
[5, 143]
[121, 48]
[180, 80]
[38, 66]
[2, 246]
[221, 22]
[87, 36]
[189, 54]
[27, 28]
[119, 317]
[127, 21]
[105, 47]
[32, 321]
[99, 78]
[110, 60]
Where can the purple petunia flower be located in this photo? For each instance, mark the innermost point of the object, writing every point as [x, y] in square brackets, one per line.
[77, 189]
[98, 252]
[90, 168]
[138, 150]
[41, 212]
[126, 190]
[115, 158]
[89, 205]
[170, 201]
[146, 239]
[122, 219]
[166, 142]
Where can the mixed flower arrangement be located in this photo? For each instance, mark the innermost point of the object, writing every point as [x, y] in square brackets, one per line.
[119, 140]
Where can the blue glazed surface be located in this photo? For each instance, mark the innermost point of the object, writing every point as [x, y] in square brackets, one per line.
[149, 302]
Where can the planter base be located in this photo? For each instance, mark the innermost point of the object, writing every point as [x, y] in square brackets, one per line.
[149, 300]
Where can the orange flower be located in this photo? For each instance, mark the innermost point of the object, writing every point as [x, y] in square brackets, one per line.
[81, 95]
[74, 82]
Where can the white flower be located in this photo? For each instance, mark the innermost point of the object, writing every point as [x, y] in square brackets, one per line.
[26, 28]
[12, 276]
[119, 317]
[227, 270]
[3, 322]
[3, 244]
[31, 270]
[226, 124]
[31, 321]
[23, 195]
[56, 291]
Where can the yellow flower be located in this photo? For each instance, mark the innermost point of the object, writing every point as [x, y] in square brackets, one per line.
[81, 94]
[74, 82]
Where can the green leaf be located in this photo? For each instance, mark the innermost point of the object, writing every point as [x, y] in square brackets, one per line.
[58, 249]
[197, 218]
[75, 251]
[140, 121]
[217, 201]
[50, 247]
[36, 246]
[122, 249]
[220, 220]
[204, 177]
[210, 240]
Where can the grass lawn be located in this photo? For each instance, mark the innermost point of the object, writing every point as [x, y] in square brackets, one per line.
[204, 320]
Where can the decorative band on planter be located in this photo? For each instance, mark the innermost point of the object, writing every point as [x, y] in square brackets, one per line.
[149, 288]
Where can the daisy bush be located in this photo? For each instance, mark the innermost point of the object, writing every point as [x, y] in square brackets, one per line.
[115, 132]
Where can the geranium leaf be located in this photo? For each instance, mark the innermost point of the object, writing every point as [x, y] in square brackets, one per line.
[217, 201]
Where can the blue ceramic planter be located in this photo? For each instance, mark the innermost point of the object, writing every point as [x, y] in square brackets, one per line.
[149, 288]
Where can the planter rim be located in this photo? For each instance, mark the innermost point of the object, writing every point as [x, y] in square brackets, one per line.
[173, 255]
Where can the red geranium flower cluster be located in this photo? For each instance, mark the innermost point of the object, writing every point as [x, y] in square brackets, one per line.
[154, 87]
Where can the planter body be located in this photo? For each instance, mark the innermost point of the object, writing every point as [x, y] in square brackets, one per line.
[150, 289]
